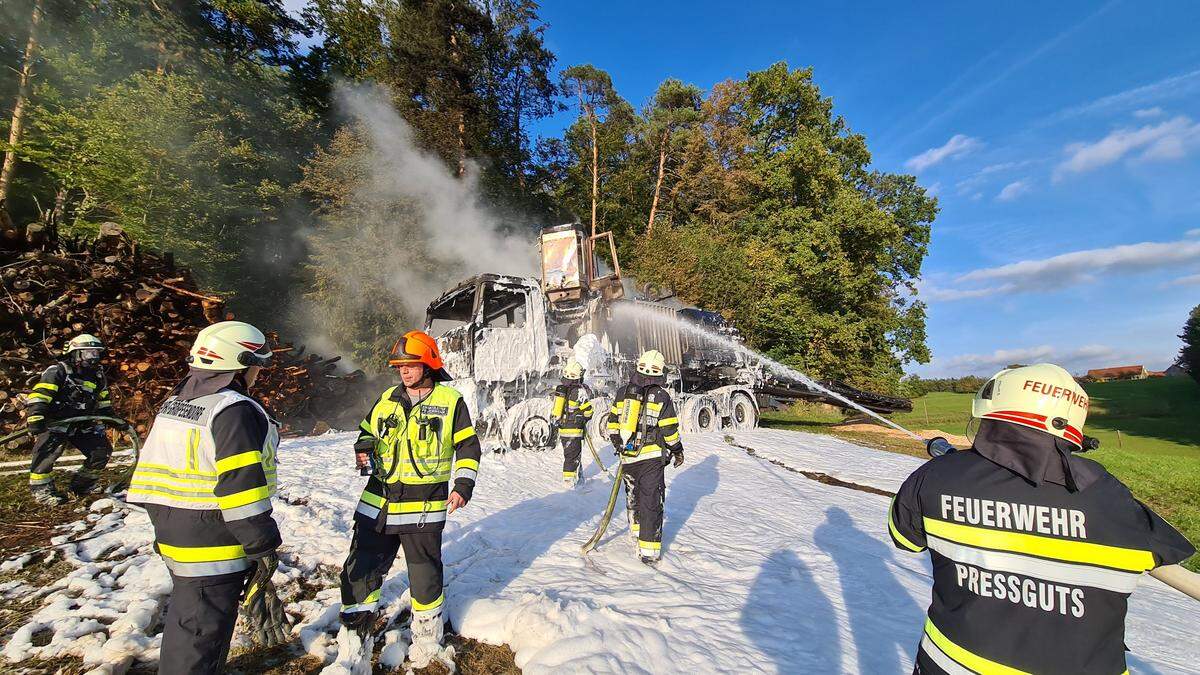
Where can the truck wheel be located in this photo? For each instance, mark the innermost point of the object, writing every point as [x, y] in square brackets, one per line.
[527, 424]
[699, 415]
[597, 428]
[743, 414]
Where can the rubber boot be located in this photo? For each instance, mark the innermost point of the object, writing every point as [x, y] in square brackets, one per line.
[47, 495]
[84, 482]
[427, 633]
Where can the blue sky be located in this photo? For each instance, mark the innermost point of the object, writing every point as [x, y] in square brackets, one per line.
[1062, 139]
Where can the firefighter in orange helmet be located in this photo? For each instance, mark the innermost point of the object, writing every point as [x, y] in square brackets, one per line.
[416, 439]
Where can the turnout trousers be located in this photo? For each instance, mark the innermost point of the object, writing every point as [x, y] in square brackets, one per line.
[645, 492]
[371, 556]
[572, 450]
[199, 623]
[49, 446]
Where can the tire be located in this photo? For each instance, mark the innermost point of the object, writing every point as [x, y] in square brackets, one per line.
[699, 415]
[527, 424]
[743, 414]
[597, 427]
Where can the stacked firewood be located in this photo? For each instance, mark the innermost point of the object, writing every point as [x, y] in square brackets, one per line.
[147, 311]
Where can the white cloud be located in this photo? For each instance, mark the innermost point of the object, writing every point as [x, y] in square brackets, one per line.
[1068, 269]
[957, 146]
[1175, 87]
[1171, 139]
[1013, 190]
[1147, 113]
[1195, 232]
[1077, 359]
[1189, 280]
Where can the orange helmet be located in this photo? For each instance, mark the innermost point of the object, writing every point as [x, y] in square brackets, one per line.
[418, 347]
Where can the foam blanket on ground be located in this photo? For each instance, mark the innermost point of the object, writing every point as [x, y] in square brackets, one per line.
[764, 570]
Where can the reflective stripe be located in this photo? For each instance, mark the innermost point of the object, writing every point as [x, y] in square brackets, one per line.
[104, 394]
[1049, 570]
[35, 418]
[178, 476]
[38, 396]
[967, 659]
[244, 497]
[423, 607]
[463, 434]
[570, 474]
[175, 471]
[104, 404]
[365, 427]
[201, 553]
[40, 478]
[417, 507]
[241, 512]
[90, 386]
[46, 386]
[668, 421]
[239, 460]
[654, 407]
[896, 532]
[206, 569]
[367, 510]
[1045, 547]
[367, 605]
[671, 438]
[647, 452]
[372, 499]
[143, 486]
[471, 474]
[466, 463]
[416, 518]
[570, 433]
[939, 657]
[650, 549]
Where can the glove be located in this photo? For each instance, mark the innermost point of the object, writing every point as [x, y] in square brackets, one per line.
[678, 455]
[553, 433]
[269, 624]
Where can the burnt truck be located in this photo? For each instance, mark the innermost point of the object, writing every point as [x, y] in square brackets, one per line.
[505, 339]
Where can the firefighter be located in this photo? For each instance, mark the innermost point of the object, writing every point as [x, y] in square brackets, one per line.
[415, 439]
[644, 429]
[569, 418]
[1035, 550]
[73, 387]
[206, 476]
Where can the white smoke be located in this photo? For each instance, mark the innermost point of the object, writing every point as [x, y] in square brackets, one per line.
[463, 237]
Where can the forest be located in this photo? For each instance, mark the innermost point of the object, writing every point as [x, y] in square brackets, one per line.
[329, 171]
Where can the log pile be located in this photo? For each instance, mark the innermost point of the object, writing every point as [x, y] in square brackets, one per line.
[147, 311]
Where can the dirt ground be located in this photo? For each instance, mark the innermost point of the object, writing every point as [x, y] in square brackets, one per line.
[957, 441]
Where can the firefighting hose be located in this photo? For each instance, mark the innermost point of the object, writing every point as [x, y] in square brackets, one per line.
[608, 511]
[596, 456]
[1181, 579]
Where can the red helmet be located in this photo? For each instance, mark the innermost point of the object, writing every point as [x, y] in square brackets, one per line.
[418, 347]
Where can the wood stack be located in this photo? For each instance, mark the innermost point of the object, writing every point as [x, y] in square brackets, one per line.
[147, 311]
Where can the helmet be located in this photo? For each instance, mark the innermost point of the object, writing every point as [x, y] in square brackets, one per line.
[85, 348]
[652, 363]
[573, 370]
[1043, 397]
[230, 345]
[418, 347]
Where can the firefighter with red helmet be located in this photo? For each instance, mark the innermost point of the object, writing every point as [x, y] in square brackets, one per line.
[416, 440]
[1035, 550]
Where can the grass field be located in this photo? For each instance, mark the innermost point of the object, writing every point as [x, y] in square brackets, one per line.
[1149, 433]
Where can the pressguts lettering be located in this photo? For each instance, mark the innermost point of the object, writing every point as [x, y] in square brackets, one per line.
[1054, 391]
[182, 409]
[1021, 590]
[439, 410]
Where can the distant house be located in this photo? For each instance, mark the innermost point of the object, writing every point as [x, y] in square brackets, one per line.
[1176, 370]
[1118, 373]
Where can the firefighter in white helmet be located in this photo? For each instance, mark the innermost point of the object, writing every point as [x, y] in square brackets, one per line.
[73, 387]
[1035, 550]
[569, 419]
[206, 476]
[644, 430]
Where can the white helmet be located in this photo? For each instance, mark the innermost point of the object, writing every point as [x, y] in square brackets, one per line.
[651, 363]
[229, 345]
[1043, 397]
[88, 349]
[573, 370]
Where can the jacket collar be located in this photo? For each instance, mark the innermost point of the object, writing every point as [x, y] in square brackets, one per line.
[1034, 455]
[205, 382]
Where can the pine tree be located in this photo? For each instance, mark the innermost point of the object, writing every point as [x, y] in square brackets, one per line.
[1189, 355]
